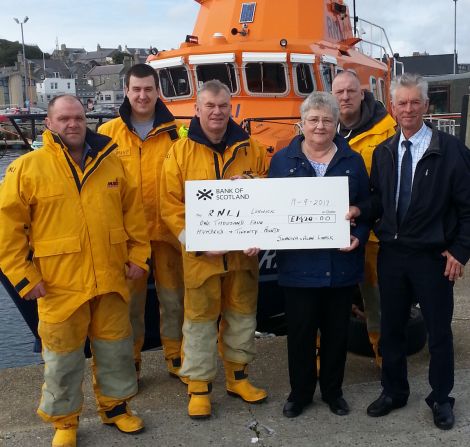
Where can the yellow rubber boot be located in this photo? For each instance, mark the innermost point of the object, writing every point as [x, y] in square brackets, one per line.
[199, 406]
[173, 357]
[65, 432]
[122, 418]
[65, 437]
[239, 386]
[374, 338]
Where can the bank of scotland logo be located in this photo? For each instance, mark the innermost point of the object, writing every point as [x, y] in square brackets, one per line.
[205, 194]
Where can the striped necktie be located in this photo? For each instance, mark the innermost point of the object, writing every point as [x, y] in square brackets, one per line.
[406, 178]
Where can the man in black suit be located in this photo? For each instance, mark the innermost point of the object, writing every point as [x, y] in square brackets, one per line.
[420, 181]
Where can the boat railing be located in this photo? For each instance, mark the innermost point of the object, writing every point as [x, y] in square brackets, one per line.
[375, 34]
[284, 120]
[447, 122]
[24, 127]
[375, 43]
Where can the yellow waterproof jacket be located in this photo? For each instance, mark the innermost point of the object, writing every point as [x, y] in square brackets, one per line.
[143, 160]
[192, 158]
[366, 142]
[73, 230]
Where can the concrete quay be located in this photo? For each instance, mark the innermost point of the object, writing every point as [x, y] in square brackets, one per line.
[162, 403]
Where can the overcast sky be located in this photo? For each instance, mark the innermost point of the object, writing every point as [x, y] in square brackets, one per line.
[411, 25]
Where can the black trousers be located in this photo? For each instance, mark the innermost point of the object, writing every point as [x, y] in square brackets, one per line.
[404, 274]
[307, 311]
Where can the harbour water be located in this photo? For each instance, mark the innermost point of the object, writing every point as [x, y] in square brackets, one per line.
[16, 340]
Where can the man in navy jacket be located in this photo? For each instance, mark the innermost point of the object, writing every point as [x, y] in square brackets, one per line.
[420, 181]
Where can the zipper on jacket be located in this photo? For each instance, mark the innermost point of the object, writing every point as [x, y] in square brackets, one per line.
[232, 158]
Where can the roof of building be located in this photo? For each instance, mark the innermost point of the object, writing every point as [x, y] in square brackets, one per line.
[429, 64]
[101, 70]
[97, 55]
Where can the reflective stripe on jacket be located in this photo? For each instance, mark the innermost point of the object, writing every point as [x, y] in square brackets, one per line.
[74, 230]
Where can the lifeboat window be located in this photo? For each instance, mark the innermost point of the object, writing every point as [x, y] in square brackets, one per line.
[265, 77]
[381, 90]
[373, 86]
[326, 76]
[304, 80]
[223, 72]
[174, 82]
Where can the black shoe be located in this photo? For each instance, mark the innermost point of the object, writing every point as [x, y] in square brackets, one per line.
[383, 405]
[292, 409]
[339, 406]
[443, 415]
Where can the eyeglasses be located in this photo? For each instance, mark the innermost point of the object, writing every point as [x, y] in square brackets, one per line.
[316, 120]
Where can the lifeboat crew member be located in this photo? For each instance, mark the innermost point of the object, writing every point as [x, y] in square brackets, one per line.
[364, 123]
[70, 232]
[217, 284]
[144, 132]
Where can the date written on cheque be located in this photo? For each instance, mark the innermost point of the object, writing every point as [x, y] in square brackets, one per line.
[311, 218]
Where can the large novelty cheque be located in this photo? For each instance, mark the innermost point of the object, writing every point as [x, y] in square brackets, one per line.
[277, 213]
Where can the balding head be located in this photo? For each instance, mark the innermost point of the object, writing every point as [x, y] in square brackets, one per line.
[346, 88]
[66, 117]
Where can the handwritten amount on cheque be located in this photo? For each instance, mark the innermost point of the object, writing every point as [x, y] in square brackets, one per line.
[231, 221]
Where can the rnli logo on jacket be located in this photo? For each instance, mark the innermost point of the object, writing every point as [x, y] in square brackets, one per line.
[123, 152]
[113, 184]
[204, 194]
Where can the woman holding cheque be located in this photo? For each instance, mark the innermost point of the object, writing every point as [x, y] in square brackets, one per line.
[319, 283]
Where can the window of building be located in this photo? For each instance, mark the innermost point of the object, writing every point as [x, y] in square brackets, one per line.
[56, 86]
[304, 80]
[223, 72]
[174, 82]
[439, 99]
[56, 74]
[266, 77]
[48, 97]
[84, 75]
[119, 96]
[107, 97]
[52, 85]
[68, 85]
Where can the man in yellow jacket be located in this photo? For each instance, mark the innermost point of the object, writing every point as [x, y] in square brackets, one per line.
[71, 230]
[217, 284]
[365, 123]
[144, 132]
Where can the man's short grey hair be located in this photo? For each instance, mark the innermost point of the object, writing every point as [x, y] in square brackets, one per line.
[409, 80]
[213, 86]
[322, 101]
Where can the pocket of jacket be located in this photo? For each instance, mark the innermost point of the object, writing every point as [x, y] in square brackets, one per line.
[60, 262]
[51, 191]
[118, 245]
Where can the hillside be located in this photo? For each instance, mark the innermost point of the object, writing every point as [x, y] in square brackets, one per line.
[9, 51]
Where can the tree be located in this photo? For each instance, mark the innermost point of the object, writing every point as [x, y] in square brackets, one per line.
[9, 52]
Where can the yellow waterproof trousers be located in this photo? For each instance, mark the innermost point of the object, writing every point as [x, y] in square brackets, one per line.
[232, 296]
[168, 274]
[105, 320]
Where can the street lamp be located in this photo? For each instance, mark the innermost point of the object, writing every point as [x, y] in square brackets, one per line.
[26, 93]
[455, 36]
